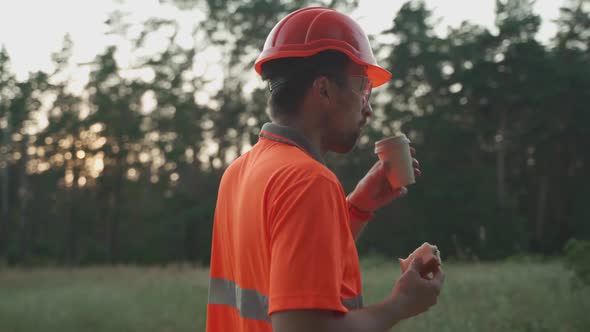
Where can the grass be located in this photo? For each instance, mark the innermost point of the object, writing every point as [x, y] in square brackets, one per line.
[478, 297]
[103, 299]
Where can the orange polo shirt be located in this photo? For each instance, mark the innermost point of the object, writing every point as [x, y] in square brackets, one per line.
[281, 237]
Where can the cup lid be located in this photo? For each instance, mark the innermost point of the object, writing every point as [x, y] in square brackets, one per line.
[397, 139]
[389, 141]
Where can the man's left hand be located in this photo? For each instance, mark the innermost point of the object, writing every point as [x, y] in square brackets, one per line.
[374, 191]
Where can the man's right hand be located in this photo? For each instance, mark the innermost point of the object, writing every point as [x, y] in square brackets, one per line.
[414, 294]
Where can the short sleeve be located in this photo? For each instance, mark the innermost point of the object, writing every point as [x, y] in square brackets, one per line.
[308, 236]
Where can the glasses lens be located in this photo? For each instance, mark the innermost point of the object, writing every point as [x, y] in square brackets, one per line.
[362, 85]
[368, 88]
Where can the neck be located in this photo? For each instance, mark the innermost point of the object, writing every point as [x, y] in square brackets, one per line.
[311, 132]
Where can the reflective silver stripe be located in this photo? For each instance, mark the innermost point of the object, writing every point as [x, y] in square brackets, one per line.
[249, 302]
[354, 303]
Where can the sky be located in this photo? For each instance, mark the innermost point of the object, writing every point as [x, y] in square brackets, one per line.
[31, 30]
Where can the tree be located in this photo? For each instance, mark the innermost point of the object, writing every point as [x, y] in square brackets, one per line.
[7, 85]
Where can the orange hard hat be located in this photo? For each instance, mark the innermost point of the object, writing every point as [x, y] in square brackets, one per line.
[308, 31]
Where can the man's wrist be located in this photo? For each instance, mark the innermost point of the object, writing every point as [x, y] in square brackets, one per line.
[395, 309]
[359, 214]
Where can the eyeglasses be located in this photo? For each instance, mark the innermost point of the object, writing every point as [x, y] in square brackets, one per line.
[361, 86]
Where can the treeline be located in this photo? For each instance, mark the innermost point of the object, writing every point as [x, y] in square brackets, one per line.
[126, 170]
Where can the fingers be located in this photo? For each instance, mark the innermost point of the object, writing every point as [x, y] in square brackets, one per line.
[416, 264]
[412, 151]
[401, 192]
[438, 275]
[416, 164]
[421, 293]
[437, 280]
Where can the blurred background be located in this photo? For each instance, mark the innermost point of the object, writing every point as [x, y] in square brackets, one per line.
[115, 157]
[118, 118]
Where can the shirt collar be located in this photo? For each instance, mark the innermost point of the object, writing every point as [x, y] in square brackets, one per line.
[290, 136]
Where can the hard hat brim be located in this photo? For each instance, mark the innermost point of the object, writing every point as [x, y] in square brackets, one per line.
[377, 74]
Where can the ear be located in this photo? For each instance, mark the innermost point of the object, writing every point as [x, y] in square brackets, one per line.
[323, 90]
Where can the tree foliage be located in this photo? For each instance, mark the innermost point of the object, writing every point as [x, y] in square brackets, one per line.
[127, 171]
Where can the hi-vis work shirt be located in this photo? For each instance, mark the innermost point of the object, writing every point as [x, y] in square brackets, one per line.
[281, 237]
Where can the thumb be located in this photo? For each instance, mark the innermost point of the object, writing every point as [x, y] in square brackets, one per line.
[377, 171]
[376, 166]
[417, 264]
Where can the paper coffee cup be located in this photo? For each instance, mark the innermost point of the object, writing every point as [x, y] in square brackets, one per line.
[395, 154]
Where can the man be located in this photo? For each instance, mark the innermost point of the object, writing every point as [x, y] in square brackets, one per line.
[283, 254]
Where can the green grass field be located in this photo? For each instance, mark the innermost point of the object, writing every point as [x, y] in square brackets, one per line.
[478, 297]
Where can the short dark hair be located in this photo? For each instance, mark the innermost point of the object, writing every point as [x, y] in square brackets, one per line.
[290, 78]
